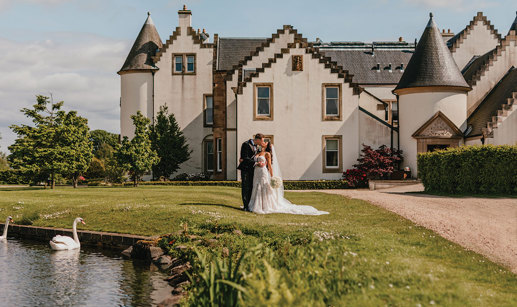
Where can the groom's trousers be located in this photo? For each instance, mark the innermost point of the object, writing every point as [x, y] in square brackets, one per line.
[247, 187]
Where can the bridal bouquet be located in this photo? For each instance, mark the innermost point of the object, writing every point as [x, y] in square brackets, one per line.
[276, 182]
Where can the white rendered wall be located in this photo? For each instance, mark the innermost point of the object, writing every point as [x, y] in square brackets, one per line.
[232, 148]
[473, 142]
[373, 133]
[183, 94]
[477, 42]
[369, 103]
[297, 126]
[498, 68]
[506, 131]
[417, 108]
[136, 90]
[383, 92]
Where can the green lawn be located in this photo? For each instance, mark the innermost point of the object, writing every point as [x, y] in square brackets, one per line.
[358, 255]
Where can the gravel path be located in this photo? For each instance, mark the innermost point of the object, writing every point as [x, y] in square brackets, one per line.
[485, 225]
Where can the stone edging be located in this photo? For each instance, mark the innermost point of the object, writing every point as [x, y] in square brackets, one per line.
[89, 238]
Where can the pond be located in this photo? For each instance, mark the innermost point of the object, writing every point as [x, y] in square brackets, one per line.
[31, 274]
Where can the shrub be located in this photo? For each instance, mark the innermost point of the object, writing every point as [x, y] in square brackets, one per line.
[288, 185]
[373, 164]
[486, 169]
[192, 177]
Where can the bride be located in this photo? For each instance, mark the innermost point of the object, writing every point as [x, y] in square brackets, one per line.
[268, 193]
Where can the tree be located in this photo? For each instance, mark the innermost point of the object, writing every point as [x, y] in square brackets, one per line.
[168, 141]
[102, 140]
[75, 141]
[136, 155]
[58, 143]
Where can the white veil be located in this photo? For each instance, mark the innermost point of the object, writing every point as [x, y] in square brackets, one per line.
[285, 206]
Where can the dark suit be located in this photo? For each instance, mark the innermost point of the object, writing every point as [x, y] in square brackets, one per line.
[247, 168]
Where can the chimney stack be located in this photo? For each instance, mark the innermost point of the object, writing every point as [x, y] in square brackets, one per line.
[185, 17]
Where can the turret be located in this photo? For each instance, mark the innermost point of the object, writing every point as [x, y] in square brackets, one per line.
[432, 97]
[513, 27]
[137, 77]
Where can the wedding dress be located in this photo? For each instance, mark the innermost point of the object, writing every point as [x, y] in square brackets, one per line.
[266, 199]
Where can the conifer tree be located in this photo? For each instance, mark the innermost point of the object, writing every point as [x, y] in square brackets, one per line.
[169, 143]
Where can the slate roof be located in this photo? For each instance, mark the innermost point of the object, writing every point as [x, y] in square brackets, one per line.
[232, 50]
[477, 61]
[363, 65]
[432, 63]
[514, 24]
[145, 47]
[493, 102]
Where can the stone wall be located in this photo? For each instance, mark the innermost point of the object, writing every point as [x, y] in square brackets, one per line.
[89, 238]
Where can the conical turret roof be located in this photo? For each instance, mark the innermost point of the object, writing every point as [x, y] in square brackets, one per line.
[514, 24]
[432, 64]
[146, 44]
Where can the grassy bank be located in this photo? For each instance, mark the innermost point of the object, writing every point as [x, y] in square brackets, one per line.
[359, 254]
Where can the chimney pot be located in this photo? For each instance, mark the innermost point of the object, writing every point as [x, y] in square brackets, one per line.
[185, 17]
[448, 30]
[401, 39]
[184, 7]
[204, 31]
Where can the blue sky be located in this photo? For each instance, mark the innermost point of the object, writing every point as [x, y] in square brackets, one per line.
[73, 48]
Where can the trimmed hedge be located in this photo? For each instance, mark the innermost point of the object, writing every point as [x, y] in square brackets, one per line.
[485, 169]
[288, 185]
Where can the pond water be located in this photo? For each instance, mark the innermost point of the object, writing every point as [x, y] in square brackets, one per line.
[31, 274]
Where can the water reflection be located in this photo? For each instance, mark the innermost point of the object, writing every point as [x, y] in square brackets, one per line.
[31, 274]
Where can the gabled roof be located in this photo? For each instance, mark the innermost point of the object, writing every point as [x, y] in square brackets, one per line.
[232, 50]
[493, 102]
[457, 39]
[363, 64]
[432, 64]
[309, 49]
[146, 44]
[441, 127]
[477, 61]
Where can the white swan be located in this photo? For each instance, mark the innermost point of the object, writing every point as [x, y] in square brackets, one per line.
[60, 243]
[4, 236]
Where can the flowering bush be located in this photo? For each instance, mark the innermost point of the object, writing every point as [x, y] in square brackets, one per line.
[355, 177]
[373, 164]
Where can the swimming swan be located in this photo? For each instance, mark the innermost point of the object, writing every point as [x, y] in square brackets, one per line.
[4, 236]
[59, 242]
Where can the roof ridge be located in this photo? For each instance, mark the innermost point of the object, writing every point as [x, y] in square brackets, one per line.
[309, 49]
[462, 35]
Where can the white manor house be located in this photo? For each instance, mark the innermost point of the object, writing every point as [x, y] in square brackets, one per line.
[319, 102]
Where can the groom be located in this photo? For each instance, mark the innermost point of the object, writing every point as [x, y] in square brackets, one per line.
[247, 167]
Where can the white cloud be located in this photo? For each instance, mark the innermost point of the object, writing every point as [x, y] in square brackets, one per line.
[457, 5]
[77, 68]
[6, 4]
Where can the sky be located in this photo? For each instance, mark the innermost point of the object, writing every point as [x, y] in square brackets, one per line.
[72, 49]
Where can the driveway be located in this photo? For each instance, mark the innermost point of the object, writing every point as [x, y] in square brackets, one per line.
[487, 226]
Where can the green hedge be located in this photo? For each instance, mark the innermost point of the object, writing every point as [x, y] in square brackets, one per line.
[289, 185]
[486, 169]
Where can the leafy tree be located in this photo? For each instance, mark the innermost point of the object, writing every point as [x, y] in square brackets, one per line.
[136, 155]
[168, 141]
[75, 141]
[102, 140]
[58, 143]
